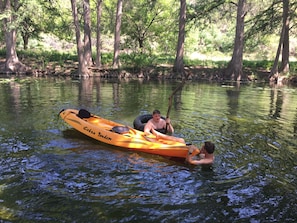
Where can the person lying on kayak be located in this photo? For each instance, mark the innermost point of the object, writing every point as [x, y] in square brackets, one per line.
[158, 123]
[206, 155]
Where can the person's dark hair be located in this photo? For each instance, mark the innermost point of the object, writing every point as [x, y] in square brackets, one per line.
[156, 111]
[209, 147]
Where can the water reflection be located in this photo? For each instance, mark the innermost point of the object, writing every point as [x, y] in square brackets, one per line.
[295, 124]
[276, 103]
[233, 103]
[50, 172]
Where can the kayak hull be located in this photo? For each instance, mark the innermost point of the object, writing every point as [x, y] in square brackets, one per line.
[106, 131]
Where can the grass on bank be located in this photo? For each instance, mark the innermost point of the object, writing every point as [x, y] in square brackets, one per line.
[40, 60]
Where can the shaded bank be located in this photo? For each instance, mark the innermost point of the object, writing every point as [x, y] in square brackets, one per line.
[69, 68]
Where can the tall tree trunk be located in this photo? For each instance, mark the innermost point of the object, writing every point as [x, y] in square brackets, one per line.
[284, 68]
[117, 35]
[12, 63]
[87, 33]
[179, 58]
[283, 46]
[98, 39]
[234, 68]
[274, 70]
[82, 68]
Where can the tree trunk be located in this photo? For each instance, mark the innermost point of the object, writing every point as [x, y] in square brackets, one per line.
[140, 43]
[274, 70]
[284, 68]
[87, 33]
[98, 39]
[179, 58]
[12, 63]
[25, 41]
[234, 68]
[82, 68]
[117, 35]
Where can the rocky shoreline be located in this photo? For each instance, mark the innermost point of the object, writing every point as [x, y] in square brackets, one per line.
[69, 69]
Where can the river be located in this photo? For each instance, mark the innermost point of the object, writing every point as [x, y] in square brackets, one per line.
[52, 173]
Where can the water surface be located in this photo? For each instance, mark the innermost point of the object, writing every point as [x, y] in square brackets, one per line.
[51, 173]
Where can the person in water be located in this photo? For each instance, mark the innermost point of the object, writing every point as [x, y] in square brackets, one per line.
[155, 124]
[206, 154]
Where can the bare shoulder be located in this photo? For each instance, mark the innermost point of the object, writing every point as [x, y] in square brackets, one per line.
[163, 122]
[149, 121]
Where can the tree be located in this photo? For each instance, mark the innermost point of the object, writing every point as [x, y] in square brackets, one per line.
[179, 58]
[234, 68]
[12, 63]
[283, 46]
[82, 68]
[284, 68]
[31, 20]
[98, 33]
[278, 15]
[117, 35]
[87, 33]
[146, 22]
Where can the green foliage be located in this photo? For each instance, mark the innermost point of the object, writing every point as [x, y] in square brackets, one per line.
[50, 56]
[28, 18]
[165, 59]
[108, 17]
[205, 63]
[149, 24]
[106, 58]
[258, 64]
[57, 19]
[209, 41]
[150, 27]
[261, 47]
[204, 12]
[138, 60]
[266, 19]
[2, 52]
[293, 68]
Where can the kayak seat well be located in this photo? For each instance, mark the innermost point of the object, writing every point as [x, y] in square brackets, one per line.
[83, 113]
[120, 129]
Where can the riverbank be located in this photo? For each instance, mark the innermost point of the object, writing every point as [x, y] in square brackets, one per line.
[38, 68]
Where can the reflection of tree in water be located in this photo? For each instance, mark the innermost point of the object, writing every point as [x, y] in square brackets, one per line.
[85, 94]
[275, 107]
[86, 91]
[16, 96]
[116, 94]
[233, 96]
[177, 101]
[233, 103]
[97, 87]
[20, 98]
[295, 124]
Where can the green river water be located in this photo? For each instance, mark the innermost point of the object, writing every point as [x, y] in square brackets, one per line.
[51, 173]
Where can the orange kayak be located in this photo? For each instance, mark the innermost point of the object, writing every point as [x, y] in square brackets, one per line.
[116, 134]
